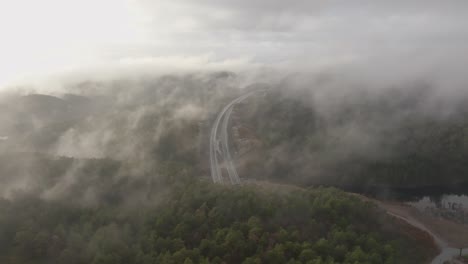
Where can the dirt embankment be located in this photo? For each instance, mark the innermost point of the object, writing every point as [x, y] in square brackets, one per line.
[453, 234]
[449, 236]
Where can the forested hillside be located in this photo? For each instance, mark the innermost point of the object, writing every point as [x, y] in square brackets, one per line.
[198, 222]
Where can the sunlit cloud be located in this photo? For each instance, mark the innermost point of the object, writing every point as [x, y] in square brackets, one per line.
[41, 37]
[47, 37]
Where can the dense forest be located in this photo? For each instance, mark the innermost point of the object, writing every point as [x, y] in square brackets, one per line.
[198, 222]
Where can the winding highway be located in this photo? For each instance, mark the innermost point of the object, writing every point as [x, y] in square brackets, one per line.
[219, 144]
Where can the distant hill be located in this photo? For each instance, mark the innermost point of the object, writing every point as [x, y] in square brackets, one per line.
[35, 121]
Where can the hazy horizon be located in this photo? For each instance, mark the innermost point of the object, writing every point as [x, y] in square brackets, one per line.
[393, 41]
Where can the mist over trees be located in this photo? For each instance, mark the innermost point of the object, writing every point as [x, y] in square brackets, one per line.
[117, 171]
[305, 130]
[348, 114]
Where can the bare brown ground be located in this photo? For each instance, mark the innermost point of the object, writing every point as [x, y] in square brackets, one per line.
[420, 236]
[453, 234]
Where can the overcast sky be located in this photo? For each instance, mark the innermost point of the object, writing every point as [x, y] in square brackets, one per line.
[47, 36]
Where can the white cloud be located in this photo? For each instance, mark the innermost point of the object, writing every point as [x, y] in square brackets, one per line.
[177, 34]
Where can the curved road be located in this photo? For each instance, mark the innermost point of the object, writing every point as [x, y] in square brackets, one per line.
[446, 252]
[219, 145]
